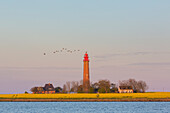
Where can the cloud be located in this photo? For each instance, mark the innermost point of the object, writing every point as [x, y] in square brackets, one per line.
[40, 68]
[152, 64]
[106, 56]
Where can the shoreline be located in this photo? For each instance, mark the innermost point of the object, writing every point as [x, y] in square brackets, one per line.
[84, 100]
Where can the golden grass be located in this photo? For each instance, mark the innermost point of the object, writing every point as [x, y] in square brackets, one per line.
[155, 95]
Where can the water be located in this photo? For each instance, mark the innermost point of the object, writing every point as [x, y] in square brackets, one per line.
[84, 107]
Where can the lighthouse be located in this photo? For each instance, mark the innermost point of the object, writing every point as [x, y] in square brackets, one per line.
[86, 80]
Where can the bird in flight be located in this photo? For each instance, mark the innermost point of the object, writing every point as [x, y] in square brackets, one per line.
[65, 50]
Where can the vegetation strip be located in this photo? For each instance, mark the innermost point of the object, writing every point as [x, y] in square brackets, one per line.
[155, 95]
[84, 100]
[87, 97]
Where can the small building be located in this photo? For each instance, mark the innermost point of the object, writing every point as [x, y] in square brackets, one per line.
[49, 89]
[125, 89]
[40, 90]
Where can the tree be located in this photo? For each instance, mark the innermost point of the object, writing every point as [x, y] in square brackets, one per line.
[64, 90]
[74, 86]
[68, 86]
[81, 82]
[26, 92]
[34, 89]
[95, 86]
[142, 86]
[80, 89]
[104, 86]
[91, 90]
[113, 88]
[58, 89]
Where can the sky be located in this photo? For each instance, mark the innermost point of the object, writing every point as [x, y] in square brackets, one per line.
[124, 39]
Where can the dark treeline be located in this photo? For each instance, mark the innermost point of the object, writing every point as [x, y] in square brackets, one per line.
[102, 86]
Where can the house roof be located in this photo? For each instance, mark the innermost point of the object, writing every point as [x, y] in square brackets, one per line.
[40, 89]
[49, 87]
[125, 87]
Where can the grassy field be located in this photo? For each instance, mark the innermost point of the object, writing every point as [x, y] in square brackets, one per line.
[155, 95]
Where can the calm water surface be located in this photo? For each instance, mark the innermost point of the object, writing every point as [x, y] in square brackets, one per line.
[84, 107]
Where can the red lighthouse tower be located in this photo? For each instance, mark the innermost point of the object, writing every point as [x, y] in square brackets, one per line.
[86, 80]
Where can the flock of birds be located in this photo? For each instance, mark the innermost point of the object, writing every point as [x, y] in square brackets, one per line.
[64, 50]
